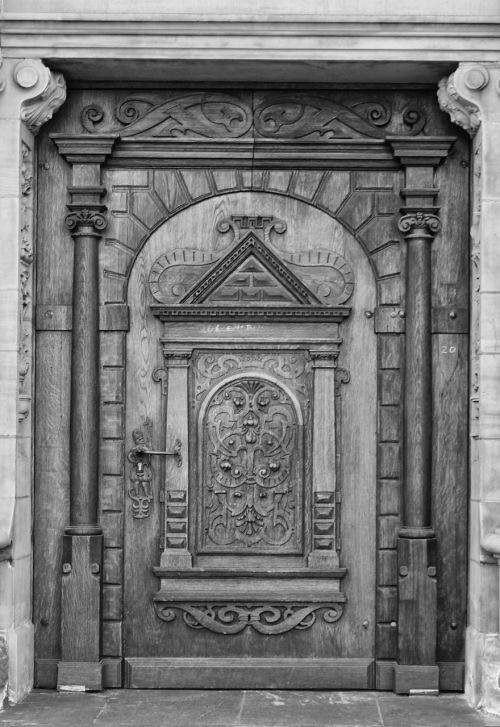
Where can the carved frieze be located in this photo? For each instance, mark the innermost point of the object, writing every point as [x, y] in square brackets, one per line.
[265, 618]
[251, 457]
[215, 115]
[199, 115]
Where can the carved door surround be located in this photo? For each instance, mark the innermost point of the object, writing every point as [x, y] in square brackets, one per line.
[306, 147]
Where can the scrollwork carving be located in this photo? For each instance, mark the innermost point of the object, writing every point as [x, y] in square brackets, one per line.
[266, 618]
[299, 116]
[198, 115]
[251, 457]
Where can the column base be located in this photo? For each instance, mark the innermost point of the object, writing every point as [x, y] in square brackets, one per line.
[79, 676]
[411, 679]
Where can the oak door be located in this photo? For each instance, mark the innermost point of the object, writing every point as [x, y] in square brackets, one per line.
[250, 439]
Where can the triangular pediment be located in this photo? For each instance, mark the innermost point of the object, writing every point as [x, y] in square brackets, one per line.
[250, 274]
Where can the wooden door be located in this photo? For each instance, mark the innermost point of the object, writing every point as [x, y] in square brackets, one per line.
[252, 281]
[249, 548]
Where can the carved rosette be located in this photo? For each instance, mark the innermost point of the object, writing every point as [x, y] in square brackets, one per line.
[419, 225]
[86, 222]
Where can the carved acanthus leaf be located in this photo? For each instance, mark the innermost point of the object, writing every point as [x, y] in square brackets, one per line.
[462, 112]
[39, 110]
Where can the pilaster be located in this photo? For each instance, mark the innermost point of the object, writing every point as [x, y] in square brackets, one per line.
[471, 95]
[29, 95]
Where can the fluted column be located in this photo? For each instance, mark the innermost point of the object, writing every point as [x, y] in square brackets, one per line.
[416, 666]
[80, 665]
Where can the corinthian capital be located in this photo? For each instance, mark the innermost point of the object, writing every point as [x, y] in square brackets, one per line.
[31, 91]
[471, 94]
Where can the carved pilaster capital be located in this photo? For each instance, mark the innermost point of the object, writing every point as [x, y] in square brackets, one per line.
[471, 94]
[31, 90]
[419, 224]
[86, 222]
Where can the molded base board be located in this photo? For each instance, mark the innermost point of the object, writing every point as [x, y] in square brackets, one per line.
[248, 673]
[46, 673]
[408, 677]
[451, 676]
[80, 676]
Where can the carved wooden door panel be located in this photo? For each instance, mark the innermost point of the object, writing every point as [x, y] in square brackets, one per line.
[251, 393]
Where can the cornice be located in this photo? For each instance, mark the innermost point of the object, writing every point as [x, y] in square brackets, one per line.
[253, 36]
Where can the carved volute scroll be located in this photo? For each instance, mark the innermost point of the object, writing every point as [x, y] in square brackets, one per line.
[251, 450]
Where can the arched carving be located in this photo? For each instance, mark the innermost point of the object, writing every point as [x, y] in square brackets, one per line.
[250, 444]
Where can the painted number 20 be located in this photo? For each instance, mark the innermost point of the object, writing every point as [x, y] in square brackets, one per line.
[448, 349]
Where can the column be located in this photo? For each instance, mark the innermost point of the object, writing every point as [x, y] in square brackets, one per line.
[80, 666]
[29, 95]
[416, 667]
[471, 96]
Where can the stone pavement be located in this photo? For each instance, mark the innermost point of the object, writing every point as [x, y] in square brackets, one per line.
[189, 708]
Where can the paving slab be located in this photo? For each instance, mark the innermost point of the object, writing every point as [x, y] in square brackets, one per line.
[235, 708]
